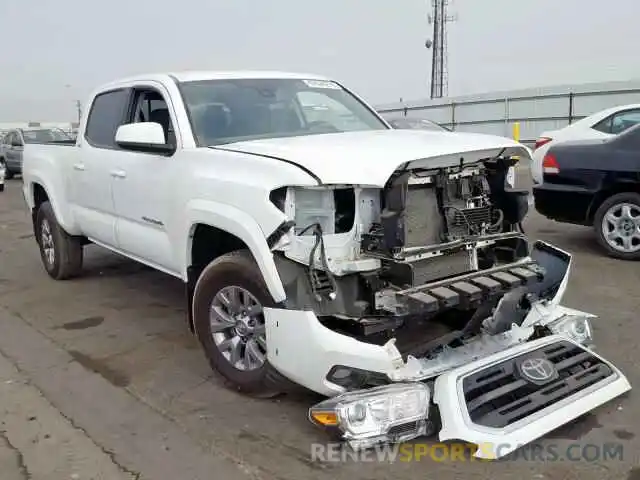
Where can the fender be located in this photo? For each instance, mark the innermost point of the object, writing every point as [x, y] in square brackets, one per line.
[54, 188]
[243, 226]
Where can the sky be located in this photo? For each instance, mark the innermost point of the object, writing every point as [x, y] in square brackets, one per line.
[55, 52]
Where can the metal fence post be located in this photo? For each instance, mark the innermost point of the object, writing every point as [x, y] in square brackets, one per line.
[570, 107]
[506, 116]
[453, 115]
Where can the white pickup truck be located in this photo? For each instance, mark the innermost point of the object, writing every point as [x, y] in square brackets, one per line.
[381, 268]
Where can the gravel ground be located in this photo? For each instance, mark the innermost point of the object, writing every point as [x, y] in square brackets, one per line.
[112, 353]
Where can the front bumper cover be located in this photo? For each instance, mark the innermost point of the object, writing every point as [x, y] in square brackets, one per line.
[302, 349]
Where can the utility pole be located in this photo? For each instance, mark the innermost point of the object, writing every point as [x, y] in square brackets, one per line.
[439, 18]
[79, 107]
[77, 102]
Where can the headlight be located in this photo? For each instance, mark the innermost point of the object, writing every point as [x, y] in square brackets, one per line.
[573, 327]
[368, 417]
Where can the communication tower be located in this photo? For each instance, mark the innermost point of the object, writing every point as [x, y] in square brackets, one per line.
[439, 17]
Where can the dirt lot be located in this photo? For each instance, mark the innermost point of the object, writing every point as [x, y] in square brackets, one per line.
[113, 353]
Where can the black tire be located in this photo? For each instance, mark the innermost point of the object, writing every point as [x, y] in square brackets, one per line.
[234, 269]
[67, 250]
[1, 187]
[618, 199]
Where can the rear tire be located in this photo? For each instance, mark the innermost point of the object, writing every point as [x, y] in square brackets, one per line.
[617, 226]
[236, 270]
[60, 252]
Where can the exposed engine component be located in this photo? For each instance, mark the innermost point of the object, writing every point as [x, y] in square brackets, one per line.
[466, 206]
[434, 245]
[428, 208]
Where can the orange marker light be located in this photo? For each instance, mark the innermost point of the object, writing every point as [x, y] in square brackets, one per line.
[324, 418]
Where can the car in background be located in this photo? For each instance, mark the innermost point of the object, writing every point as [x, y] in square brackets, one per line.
[596, 183]
[2, 174]
[600, 125]
[14, 141]
[406, 123]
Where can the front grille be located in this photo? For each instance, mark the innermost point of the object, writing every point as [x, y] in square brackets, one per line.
[404, 429]
[500, 395]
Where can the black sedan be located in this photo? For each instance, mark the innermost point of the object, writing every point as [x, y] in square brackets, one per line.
[596, 183]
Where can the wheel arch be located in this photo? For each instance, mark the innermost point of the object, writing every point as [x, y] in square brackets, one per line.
[37, 190]
[215, 229]
[608, 191]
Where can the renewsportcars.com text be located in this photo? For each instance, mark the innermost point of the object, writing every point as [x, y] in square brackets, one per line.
[463, 452]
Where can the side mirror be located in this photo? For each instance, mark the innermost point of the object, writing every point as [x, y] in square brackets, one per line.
[143, 137]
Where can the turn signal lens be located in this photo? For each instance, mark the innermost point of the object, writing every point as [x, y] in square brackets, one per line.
[326, 419]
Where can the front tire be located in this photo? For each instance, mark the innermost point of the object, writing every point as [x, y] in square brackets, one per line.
[227, 309]
[60, 252]
[617, 226]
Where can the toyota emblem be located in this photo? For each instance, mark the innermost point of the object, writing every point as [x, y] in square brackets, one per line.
[538, 370]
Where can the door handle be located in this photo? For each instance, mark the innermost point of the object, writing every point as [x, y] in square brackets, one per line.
[78, 166]
[118, 173]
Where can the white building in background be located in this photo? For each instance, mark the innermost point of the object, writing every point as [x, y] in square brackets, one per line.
[535, 109]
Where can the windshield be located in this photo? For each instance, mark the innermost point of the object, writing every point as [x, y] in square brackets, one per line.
[226, 111]
[44, 135]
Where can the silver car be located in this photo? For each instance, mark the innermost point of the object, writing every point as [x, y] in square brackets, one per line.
[409, 123]
[14, 141]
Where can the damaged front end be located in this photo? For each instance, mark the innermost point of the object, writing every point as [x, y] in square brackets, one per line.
[428, 294]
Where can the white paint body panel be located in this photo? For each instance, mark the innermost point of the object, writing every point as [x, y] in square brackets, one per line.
[369, 158]
[304, 350]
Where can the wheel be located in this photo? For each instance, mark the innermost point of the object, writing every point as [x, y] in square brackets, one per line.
[617, 226]
[60, 252]
[227, 309]
[1, 187]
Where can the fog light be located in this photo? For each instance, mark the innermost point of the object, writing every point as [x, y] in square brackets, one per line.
[573, 327]
[368, 417]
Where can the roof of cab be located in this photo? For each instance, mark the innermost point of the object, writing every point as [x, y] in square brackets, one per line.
[195, 75]
[189, 76]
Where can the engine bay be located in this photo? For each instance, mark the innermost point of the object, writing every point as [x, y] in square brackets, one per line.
[372, 262]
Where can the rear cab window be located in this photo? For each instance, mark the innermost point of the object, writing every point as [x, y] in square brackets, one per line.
[106, 115]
